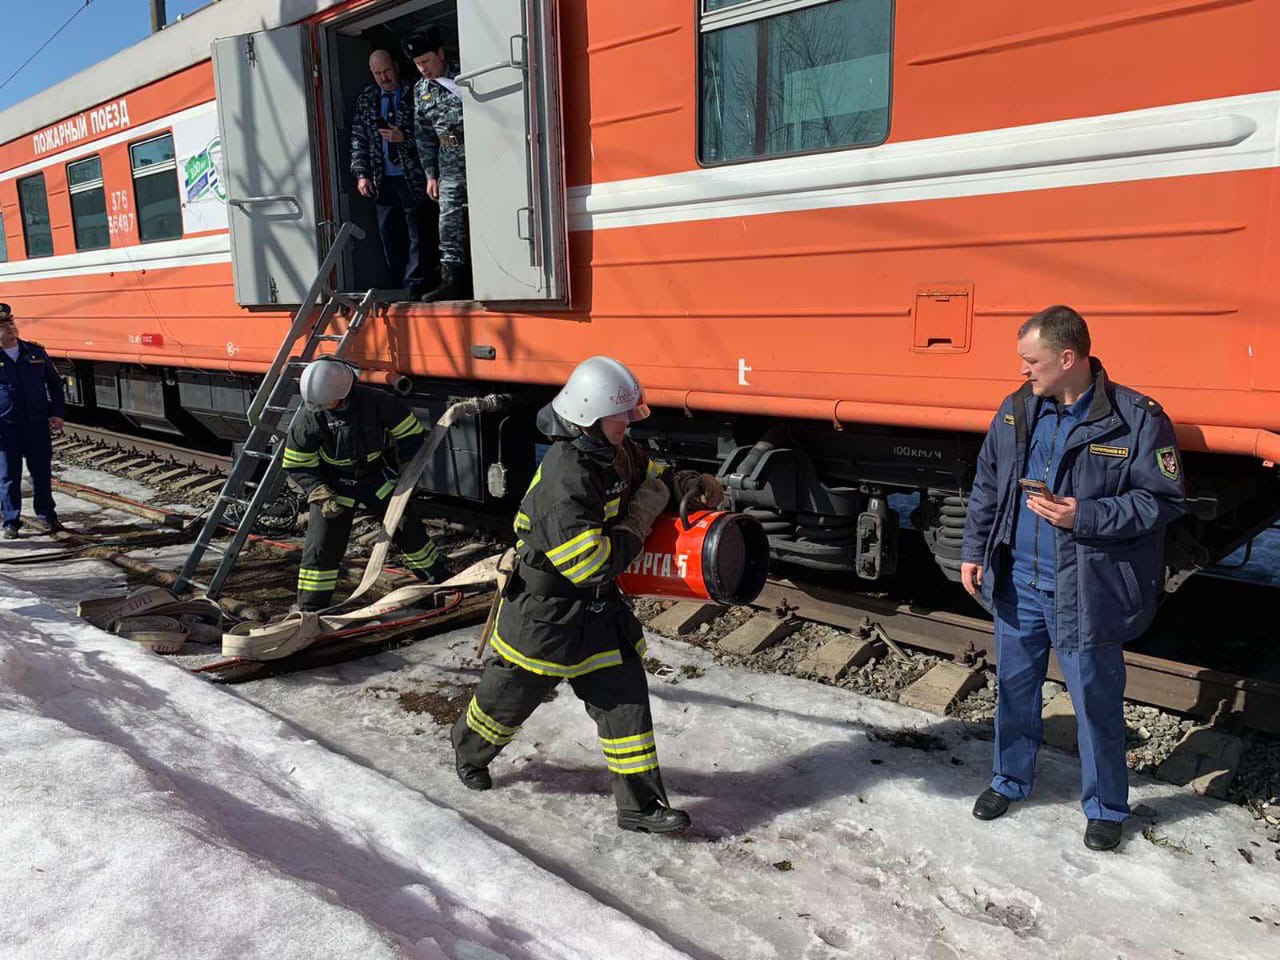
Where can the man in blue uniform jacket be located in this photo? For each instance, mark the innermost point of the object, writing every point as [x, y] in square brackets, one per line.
[31, 410]
[1064, 543]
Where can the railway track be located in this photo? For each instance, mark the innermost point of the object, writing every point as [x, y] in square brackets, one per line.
[1197, 691]
[82, 441]
[1161, 681]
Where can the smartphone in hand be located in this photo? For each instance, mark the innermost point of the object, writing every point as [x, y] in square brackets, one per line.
[1037, 488]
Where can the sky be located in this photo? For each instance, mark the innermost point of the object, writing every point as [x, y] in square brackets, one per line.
[106, 27]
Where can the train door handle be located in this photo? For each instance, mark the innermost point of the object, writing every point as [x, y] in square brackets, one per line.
[516, 62]
[274, 198]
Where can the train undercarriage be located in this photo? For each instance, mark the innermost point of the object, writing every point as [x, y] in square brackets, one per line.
[839, 501]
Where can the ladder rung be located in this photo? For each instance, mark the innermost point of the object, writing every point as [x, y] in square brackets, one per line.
[229, 499]
[257, 454]
[275, 409]
[337, 337]
[212, 547]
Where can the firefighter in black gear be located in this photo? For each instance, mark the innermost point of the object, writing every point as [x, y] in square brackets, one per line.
[585, 517]
[337, 453]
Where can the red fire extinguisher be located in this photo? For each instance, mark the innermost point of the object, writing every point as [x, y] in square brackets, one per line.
[709, 555]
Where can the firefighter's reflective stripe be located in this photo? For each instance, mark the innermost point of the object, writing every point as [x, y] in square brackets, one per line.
[566, 671]
[317, 581]
[422, 559]
[336, 461]
[345, 501]
[590, 564]
[563, 555]
[654, 469]
[642, 646]
[385, 489]
[611, 508]
[524, 523]
[630, 754]
[406, 428]
[299, 458]
[499, 734]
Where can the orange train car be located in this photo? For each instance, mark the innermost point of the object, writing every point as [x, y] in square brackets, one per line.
[811, 226]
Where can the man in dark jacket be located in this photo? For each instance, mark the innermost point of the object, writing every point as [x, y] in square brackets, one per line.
[337, 453]
[31, 410]
[588, 510]
[1064, 538]
[384, 161]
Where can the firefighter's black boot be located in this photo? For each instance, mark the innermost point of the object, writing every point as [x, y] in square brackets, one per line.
[455, 283]
[473, 778]
[655, 818]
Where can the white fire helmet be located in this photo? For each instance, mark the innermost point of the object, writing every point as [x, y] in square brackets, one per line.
[600, 387]
[325, 380]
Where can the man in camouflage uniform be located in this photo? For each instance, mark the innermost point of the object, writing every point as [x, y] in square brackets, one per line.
[384, 162]
[437, 123]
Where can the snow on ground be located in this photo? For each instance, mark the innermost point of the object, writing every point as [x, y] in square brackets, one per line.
[147, 813]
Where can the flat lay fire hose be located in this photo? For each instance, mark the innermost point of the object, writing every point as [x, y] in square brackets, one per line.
[298, 630]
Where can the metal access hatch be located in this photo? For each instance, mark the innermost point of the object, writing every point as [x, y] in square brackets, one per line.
[515, 157]
[266, 114]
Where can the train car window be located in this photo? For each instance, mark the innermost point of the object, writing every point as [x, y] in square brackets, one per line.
[781, 77]
[155, 189]
[88, 204]
[34, 204]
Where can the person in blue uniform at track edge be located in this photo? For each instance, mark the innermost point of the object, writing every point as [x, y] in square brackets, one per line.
[1079, 572]
[31, 411]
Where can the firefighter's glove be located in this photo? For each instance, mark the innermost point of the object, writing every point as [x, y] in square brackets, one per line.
[706, 489]
[649, 500]
[323, 494]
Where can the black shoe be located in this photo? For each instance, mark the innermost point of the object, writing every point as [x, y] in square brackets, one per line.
[455, 284]
[54, 525]
[473, 778]
[11, 533]
[655, 819]
[437, 574]
[991, 804]
[1103, 834]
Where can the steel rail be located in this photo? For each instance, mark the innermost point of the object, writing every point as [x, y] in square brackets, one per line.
[146, 447]
[1200, 692]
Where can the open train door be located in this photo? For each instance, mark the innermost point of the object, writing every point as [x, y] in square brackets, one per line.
[266, 116]
[515, 152]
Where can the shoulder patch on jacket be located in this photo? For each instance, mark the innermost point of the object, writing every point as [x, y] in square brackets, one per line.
[1152, 406]
[1008, 418]
[1167, 461]
[1104, 450]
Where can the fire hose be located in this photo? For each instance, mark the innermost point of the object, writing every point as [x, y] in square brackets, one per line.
[298, 630]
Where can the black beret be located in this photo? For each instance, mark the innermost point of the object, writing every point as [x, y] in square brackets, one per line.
[427, 42]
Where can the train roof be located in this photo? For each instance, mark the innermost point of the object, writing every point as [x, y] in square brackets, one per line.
[179, 45]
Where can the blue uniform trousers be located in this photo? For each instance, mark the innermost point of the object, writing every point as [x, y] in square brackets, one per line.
[35, 446]
[1095, 679]
[401, 223]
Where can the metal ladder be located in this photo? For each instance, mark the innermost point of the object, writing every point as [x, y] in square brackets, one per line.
[270, 416]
